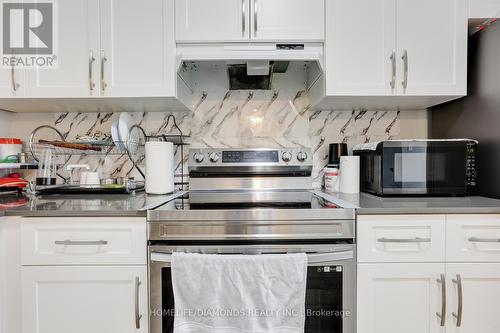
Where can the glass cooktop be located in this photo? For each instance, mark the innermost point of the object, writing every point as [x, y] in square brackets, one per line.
[220, 200]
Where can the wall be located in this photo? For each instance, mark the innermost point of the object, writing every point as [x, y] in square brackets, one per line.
[477, 116]
[242, 119]
[5, 118]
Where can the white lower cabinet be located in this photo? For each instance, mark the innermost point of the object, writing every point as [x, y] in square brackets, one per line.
[97, 299]
[480, 287]
[412, 296]
[395, 298]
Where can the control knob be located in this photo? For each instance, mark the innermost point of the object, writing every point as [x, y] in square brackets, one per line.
[198, 157]
[301, 156]
[214, 157]
[286, 156]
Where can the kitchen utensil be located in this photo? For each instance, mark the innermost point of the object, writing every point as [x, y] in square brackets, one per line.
[332, 179]
[349, 174]
[108, 181]
[124, 124]
[46, 174]
[70, 169]
[69, 145]
[9, 150]
[159, 167]
[115, 134]
[90, 179]
[23, 158]
[335, 151]
[10, 183]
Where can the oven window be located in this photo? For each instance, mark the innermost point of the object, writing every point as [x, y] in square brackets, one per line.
[324, 301]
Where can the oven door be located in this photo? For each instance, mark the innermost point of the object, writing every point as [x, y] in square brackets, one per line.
[330, 293]
[426, 167]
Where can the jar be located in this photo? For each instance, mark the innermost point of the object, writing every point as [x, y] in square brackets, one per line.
[10, 148]
[332, 179]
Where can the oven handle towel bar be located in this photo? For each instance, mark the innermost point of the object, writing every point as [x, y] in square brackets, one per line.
[313, 258]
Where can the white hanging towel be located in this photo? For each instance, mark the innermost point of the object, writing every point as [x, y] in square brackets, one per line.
[239, 293]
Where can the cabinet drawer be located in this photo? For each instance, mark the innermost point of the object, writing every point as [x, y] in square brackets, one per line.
[473, 238]
[83, 241]
[401, 238]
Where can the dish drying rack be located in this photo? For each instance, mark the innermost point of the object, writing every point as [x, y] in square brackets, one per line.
[134, 147]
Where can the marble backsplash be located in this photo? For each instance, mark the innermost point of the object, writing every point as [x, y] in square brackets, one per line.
[241, 119]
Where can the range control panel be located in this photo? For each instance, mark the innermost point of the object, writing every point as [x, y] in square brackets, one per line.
[249, 156]
[225, 157]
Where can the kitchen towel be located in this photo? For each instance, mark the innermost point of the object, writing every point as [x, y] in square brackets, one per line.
[239, 293]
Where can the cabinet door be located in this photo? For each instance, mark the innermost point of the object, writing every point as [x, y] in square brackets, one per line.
[211, 21]
[473, 238]
[395, 298]
[401, 238]
[480, 285]
[84, 299]
[78, 26]
[358, 56]
[137, 41]
[287, 20]
[433, 37]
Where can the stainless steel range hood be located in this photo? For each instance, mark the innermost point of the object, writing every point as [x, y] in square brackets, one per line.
[251, 66]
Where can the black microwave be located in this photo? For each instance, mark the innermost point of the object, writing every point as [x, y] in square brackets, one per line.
[418, 167]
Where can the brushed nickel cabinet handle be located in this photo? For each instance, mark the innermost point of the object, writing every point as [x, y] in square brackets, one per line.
[103, 61]
[255, 17]
[71, 242]
[137, 315]
[484, 240]
[442, 315]
[91, 62]
[243, 17]
[405, 67]
[458, 315]
[393, 61]
[15, 85]
[404, 240]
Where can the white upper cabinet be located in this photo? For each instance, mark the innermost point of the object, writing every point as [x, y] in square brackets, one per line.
[396, 48]
[78, 22]
[432, 47]
[110, 48]
[359, 55]
[244, 20]
[211, 21]
[288, 20]
[137, 48]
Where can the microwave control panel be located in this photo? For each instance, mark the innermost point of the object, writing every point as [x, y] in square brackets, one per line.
[470, 164]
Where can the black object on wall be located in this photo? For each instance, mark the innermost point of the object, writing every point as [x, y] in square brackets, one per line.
[477, 116]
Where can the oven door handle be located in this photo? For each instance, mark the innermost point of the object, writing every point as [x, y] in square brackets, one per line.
[313, 258]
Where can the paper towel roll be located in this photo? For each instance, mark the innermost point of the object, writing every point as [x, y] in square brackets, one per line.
[349, 174]
[159, 167]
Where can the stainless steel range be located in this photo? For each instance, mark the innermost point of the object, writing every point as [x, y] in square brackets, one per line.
[257, 201]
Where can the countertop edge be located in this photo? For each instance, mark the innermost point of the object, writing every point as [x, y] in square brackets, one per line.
[423, 211]
[76, 214]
